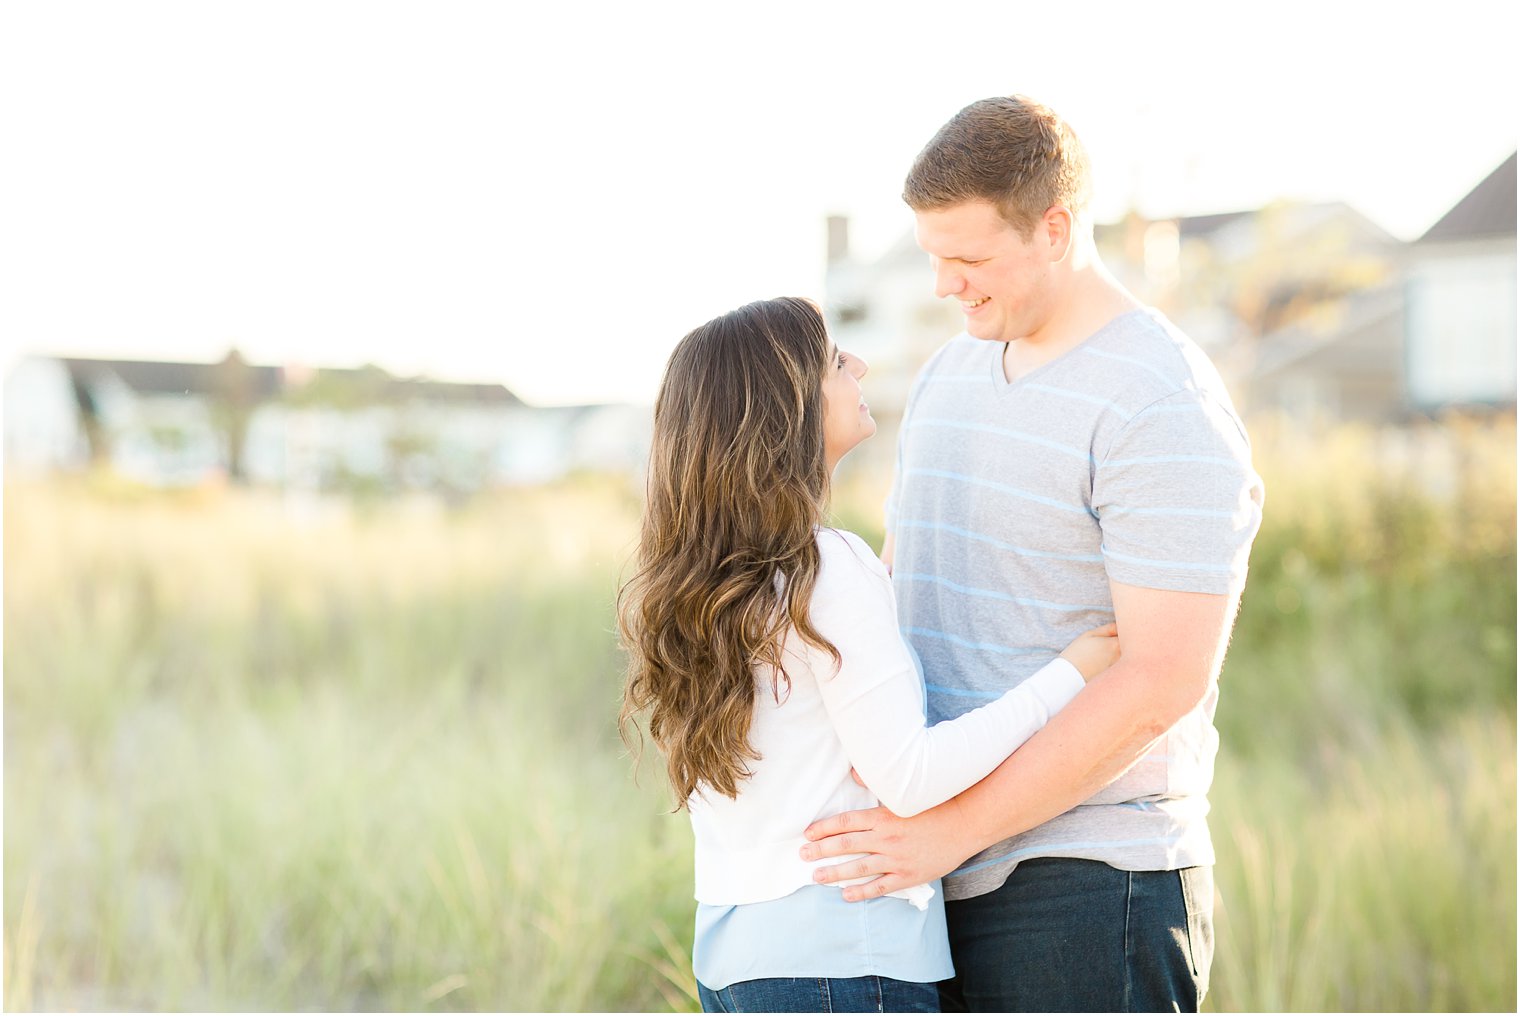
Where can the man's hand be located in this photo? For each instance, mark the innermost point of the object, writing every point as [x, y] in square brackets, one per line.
[1167, 667]
[902, 851]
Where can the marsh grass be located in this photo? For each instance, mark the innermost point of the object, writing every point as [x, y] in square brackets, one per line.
[345, 762]
[1373, 877]
[280, 754]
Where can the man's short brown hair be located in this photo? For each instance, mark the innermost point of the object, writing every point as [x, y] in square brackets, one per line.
[1010, 151]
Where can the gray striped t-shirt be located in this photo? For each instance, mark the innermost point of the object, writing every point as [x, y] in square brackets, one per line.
[1013, 506]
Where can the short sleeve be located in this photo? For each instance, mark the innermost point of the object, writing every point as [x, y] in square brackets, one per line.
[1177, 499]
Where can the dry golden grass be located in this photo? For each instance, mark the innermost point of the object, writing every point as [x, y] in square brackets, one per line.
[272, 753]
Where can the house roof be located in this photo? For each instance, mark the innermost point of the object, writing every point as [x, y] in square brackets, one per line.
[1189, 227]
[1195, 226]
[1487, 210]
[1304, 215]
[152, 377]
[453, 391]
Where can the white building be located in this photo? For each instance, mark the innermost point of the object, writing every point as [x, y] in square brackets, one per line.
[42, 428]
[1460, 326]
[1307, 308]
[178, 424]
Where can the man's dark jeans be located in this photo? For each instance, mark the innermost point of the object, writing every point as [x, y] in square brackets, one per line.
[1069, 935]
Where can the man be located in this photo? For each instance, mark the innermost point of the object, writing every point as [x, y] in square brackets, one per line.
[1071, 459]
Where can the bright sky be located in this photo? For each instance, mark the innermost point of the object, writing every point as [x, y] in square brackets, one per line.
[550, 195]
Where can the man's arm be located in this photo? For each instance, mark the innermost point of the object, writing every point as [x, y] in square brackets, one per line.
[1173, 644]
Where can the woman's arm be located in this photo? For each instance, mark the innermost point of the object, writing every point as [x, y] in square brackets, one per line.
[876, 699]
[1172, 658]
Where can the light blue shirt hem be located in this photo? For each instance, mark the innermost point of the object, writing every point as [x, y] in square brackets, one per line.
[814, 932]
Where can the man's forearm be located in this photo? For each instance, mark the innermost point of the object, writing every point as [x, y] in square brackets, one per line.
[1102, 733]
[1168, 666]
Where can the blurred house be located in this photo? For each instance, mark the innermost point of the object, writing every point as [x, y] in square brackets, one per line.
[1228, 279]
[42, 420]
[1460, 296]
[884, 310]
[1439, 334]
[168, 424]
[1307, 308]
[542, 444]
[1345, 361]
[177, 424]
[1225, 279]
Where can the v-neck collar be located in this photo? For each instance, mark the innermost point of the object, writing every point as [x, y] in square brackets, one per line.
[1000, 381]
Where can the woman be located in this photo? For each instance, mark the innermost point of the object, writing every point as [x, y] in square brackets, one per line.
[765, 648]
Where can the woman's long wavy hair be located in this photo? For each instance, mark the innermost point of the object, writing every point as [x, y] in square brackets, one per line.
[728, 556]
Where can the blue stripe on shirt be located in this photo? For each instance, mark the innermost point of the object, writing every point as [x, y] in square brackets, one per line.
[1179, 407]
[945, 527]
[1144, 365]
[961, 692]
[990, 647]
[994, 594]
[1223, 569]
[1147, 460]
[976, 481]
[1188, 513]
[1079, 396]
[1017, 435]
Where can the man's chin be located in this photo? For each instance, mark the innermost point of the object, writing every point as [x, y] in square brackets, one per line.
[983, 330]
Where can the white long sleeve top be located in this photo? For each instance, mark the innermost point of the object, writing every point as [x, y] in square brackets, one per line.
[869, 715]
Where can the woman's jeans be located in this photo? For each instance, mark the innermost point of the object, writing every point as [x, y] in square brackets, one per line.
[1069, 935]
[821, 994]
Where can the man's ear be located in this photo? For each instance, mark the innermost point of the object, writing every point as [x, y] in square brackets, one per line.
[1056, 228]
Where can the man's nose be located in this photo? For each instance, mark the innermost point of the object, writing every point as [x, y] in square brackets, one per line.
[947, 281]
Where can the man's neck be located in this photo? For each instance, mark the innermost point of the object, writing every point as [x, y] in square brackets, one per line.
[1093, 299]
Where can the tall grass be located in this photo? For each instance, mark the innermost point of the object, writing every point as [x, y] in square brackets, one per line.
[1378, 876]
[347, 762]
[1365, 795]
[290, 755]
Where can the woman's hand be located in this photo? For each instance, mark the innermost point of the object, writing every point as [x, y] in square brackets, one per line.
[1093, 652]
